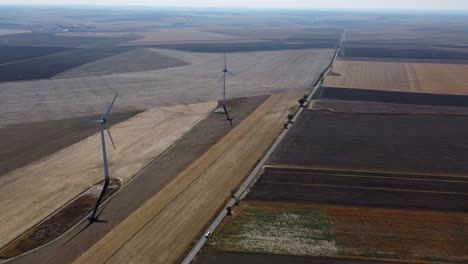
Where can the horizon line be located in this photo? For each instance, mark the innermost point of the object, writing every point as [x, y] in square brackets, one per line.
[237, 8]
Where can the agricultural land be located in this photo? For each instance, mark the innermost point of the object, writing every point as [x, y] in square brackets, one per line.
[371, 169]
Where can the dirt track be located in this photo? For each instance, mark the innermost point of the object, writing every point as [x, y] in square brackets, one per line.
[31, 193]
[162, 229]
[148, 183]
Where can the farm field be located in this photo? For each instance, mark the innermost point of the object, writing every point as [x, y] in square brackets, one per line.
[49, 66]
[361, 188]
[180, 36]
[149, 181]
[275, 231]
[135, 60]
[49, 137]
[251, 46]
[373, 171]
[165, 226]
[405, 77]
[9, 54]
[390, 142]
[410, 35]
[382, 97]
[12, 31]
[248, 258]
[257, 73]
[51, 40]
[363, 107]
[372, 234]
[31, 193]
[403, 51]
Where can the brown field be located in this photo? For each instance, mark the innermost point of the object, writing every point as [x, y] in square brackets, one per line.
[411, 236]
[163, 228]
[388, 143]
[361, 188]
[248, 258]
[31, 193]
[405, 77]
[257, 73]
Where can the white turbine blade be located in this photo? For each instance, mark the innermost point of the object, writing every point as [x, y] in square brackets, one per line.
[106, 115]
[232, 74]
[225, 61]
[220, 79]
[110, 136]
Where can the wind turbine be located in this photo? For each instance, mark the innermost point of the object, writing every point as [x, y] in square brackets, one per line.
[103, 126]
[223, 78]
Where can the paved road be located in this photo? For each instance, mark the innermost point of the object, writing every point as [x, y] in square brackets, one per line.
[191, 255]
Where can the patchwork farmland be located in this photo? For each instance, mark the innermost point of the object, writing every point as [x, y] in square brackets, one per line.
[379, 151]
[371, 169]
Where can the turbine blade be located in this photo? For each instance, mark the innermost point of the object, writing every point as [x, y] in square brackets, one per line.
[106, 115]
[225, 61]
[232, 74]
[110, 136]
[220, 79]
[90, 121]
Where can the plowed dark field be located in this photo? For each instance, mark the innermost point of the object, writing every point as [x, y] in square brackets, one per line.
[243, 258]
[401, 51]
[285, 44]
[350, 94]
[46, 67]
[52, 40]
[391, 142]
[16, 53]
[362, 189]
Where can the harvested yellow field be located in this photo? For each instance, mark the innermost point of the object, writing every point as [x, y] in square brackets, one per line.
[31, 193]
[435, 78]
[163, 228]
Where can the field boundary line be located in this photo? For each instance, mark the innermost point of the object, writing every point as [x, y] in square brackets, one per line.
[276, 166]
[365, 188]
[367, 176]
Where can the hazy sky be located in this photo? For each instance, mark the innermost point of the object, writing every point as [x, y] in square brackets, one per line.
[323, 4]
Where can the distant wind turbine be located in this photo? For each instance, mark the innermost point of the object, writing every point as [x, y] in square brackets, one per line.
[103, 126]
[223, 78]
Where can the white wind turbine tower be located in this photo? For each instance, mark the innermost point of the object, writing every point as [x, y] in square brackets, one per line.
[103, 126]
[223, 78]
